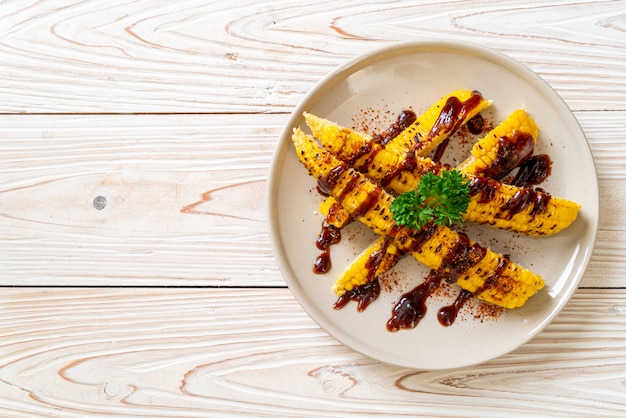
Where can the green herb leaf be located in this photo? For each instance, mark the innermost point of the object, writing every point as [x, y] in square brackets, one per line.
[440, 199]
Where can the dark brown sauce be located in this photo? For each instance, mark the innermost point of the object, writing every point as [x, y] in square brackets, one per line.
[363, 295]
[363, 292]
[408, 164]
[351, 184]
[476, 125]
[335, 213]
[452, 115]
[523, 198]
[377, 143]
[485, 186]
[533, 171]
[374, 260]
[447, 314]
[541, 201]
[329, 235]
[512, 152]
[526, 197]
[366, 149]
[419, 237]
[440, 150]
[368, 292]
[403, 121]
[322, 262]
[411, 307]
[325, 184]
[370, 201]
[372, 150]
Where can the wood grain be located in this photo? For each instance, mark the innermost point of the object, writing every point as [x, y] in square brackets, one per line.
[185, 199]
[168, 352]
[129, 56]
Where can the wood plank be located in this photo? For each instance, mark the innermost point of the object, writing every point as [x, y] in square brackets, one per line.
[605, 136]
[131, 56]
[205, 353]
[185, 199]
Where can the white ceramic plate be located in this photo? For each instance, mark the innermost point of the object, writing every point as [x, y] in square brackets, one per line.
[415, 75]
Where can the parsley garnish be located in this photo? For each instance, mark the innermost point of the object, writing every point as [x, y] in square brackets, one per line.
[441, 199]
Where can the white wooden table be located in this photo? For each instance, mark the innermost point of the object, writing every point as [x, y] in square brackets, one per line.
[137, 276]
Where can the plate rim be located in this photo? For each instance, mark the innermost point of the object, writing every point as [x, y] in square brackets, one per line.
[335, 76]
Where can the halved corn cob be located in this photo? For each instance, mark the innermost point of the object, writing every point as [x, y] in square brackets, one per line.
[379, 257]
[531, 212]
[503, 147]
[347, 144]
[439, 248]
[493, 278]
[439, 122]
[360, 197]
[493, 156]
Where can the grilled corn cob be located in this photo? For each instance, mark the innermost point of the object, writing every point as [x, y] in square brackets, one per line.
[379, 257]
[503, 147]
[493, 156]
[439, 122]
[490, 199]
[439, 248]
[532, 212]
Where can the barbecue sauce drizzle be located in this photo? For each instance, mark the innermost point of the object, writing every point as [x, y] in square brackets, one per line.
[526, 196]
[411, 307]
[451, 117]
[533, 171]
[367, 293]
[329, 233]
[363, 295]
[328, 236]
[377, 143]
[512, 152]
[447, 314]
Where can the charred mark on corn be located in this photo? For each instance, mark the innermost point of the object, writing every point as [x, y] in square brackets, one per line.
[462, 256]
